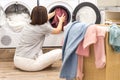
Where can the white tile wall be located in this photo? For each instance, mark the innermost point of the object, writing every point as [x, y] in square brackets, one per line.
[102, 3]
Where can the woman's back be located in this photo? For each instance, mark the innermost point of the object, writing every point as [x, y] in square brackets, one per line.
[31, 40]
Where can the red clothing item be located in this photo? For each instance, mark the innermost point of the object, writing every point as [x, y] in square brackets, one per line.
[59, 12]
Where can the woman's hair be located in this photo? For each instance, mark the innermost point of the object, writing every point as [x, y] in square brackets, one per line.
[39, 15]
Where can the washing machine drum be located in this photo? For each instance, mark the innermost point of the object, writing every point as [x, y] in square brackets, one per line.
[16, 8]
[59, 10]
[87, 12]
[17, 17]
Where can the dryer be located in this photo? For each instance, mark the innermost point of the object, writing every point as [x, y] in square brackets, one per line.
[51, 5]
[75, 10]
[87, 12]
[102, 10]
[9, 36]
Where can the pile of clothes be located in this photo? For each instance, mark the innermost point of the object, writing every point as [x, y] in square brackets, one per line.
[78, 37]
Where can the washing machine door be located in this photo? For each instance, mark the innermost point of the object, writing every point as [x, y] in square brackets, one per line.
[87, 12]
[2, 17]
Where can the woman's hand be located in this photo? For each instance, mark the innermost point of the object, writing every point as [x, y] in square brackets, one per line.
[50, 15]
[59, 27]
[62, 18]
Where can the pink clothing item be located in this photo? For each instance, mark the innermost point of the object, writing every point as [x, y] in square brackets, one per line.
[59, 12]
[91, 34]
[82, 51]
[99, 50]
[80, 74]
[94, 35]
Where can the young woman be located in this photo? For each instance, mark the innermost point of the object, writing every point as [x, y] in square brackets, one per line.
[28, 54]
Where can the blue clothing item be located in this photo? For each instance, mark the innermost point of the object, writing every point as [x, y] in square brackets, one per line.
[114, 37]
[116, 48]
[74, 34]
[69, 79]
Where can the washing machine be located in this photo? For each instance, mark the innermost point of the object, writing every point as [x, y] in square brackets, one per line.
[87, 11]
[76, 10]
[102, 10]
[9, 36]
[51, 5]
[91, 1]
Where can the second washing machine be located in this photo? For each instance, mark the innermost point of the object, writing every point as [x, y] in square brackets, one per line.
[14, 14]
[80, 10]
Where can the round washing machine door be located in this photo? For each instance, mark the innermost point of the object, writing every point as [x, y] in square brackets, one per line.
[60, 7]
[18, 15]
[87, 12]
[59, 10]
[17, 7]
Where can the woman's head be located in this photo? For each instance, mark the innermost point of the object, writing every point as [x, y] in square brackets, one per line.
[39, 15]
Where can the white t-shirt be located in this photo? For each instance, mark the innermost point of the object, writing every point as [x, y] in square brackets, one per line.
[32, 39]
